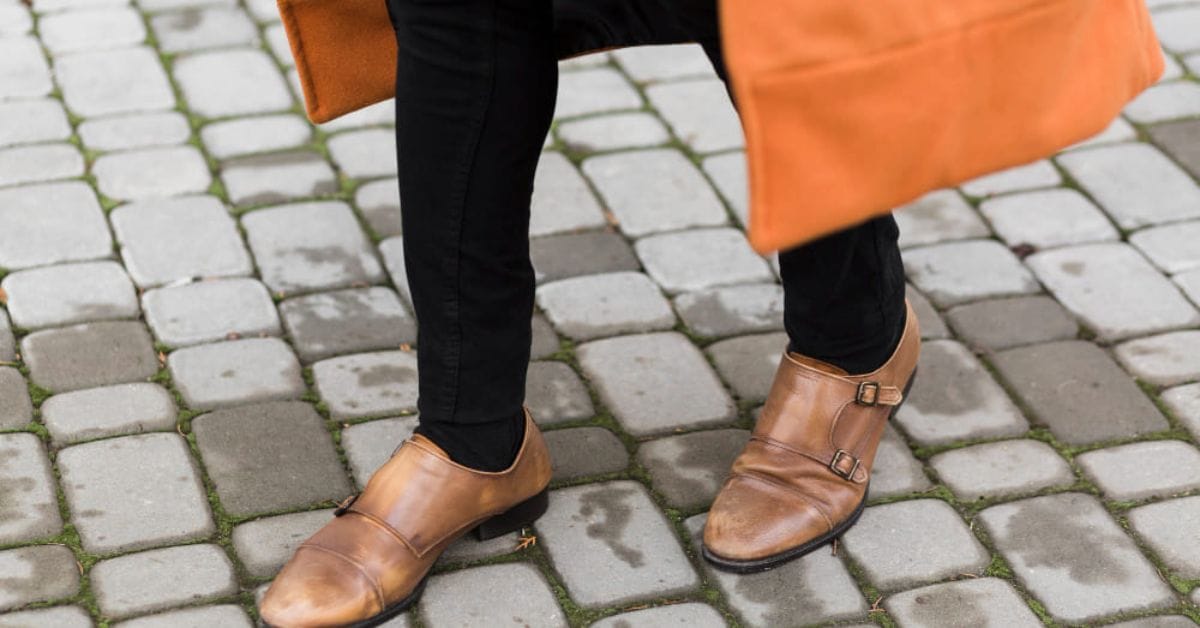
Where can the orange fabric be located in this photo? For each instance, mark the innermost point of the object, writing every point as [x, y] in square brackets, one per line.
[852, 108]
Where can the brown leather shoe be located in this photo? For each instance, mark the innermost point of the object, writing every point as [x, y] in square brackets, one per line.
[802, 478]
[369, 563]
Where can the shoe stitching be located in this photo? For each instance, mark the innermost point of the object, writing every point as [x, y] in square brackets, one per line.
[379, 597]
[386, 528]
[766, 479]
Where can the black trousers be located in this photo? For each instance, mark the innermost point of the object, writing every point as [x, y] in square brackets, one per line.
[475, 95]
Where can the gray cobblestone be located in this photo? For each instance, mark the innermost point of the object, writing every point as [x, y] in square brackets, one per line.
[1184, 403]
[56, 617]
[513, 594]
[1039, 174]
[611, 545]
[231, 82]
[206, 311]
[700, 259]
[30, 507]
[154, 471]
[159, 579]
[225, 615]
[392, 251]
[981, 602]
[1157, 621]
[113, 81]
[364, 154]
[728, 174]
[108, 411]
[379, 203]
[572, 255]
[1135, 183]
[70, 293]
[1189, 283]
[1007, 323]
[895, 470]
[158, 6]
[654, 190]
[688, 470]
[1163, 360]
[236, 372]
[939, 216]
[1177, 28]
[545, 342]
[958, 272]
[258, 134]
[346, 321]
[685, 614]
[250, 454]
[16, 409]
[1165, 101]
[1169, 529]
[1078, 391]
[1047, 219]
[466, 548]
[732, 310]
[700, 113]
[8, 345]
[1141, 470]
[655, 382]
[383, 112]
[622, 130]
[264, 545]
[277, 40]
[954, 398]
[932, 326]
[277, 177]
[28, 121]
[554, 394]
[659, 63]
[1113, 290]
[39, 162]
[582, 451]
[748, 363]
[14, 20]
[593, 306]
[1179, 139]
[197, 29]
[31, 236]
[1069, 553]
[310, 246]
[23, 69]
[91, 29]
[369, 445]
[594, 91]
[561, 199]
[140, 130]
[89, 355]
[151, 173]
[1172, 248]
[37, 574]
[1002, 469]
[368, 384]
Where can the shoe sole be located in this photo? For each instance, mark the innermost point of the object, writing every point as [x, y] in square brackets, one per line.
[762, 564]
[511, 520]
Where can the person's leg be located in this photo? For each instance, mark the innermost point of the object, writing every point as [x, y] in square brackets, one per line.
[475, 91]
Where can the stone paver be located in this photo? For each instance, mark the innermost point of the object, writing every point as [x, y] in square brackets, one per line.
[655, 382]
[1165, 101]
[1141, 470]
[364, 154]
[98, 84]
[369, 445]
[1001, 469]
[155, 471]
[1169, 528]
[159, 579]
[688, 470]
[68, 294]
[915, 542]
[939, 216]
[89, 355]
[748, 364]
[561, 200]
[258, 134]
[264, 545]
[622, 130]
[664, 62]
[1157, 621]
[392, 252]
[346, 321]
[732, 310]
[1136, 184]
[379, 203]
[654, 190]
[236, 372]
[573, 255]
[368, 384]
[37, 574]
[953, 398]
[1184, 403]
[553, 393]
[231, 82]
[152, 173]
[1073, 557]
[140, 130]
[1012, 322]
[594, 306]
[1047, 219]
[91, 29]
[23, 69]
[249, 453]
[225, 615]
[728, 174]
[515, 594]
[699, 113]
[58, 617]
[200, 28]
[32, 235]
[277, 177]
[39, 162]
[30, 121]
[983, 602]
[1113, 290]
[611, 545]
[932, 325]
[16, 409]
[1178, 139]
[108, 411]
[1172, 247]
[1039, 174]
[702, 258]
[685, 614]
[594, 91]
[8, 344]
[206, 311]
[1163, 360]
[583, 451]
[959, 272]
[29, 510]
[1075, 389]
[895, 471]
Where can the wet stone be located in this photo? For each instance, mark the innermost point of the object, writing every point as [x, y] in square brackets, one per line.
[655, 383]
[814, 588]
[264, 545]
[1164, 360]
[1172, 248]
[688, 470]
[1169, 528]
[910, 543]
[513, 594]
[593, 306]
[24, 68]
[1074, 558]
[661, 63]
[594, 91]
[259, 134]
[91, 29]
[954, 398]
[379, 203]
[561, 200]
[611, 545]
[1039, 174]
[1047, 219]
[207, 311]
[702, 258]
[155, 471]
[654, 190]
[158, 579]
[583, 451]
[364, 154]
[719, 312]
[36, 574]
[346, 321]
[250, 454]
[940, 216]
[545, 342]
[554, 394]
[958, 272]
[231, 82]
[728, 174]
[622, 130]
[277, 177]
[115, 81]
[89, 355]
[1002, 469]
[573, 255]
[310, 246]
[200, 28]
[1184, 403]
[748, 364]
[700, 113]
[56, 617]
[1079, 392]
[29, 510]
[979, 602]
[1140, 470]
[70, 293]
[16, 409]
[225, 615]
[1135, 183]
[108, 411]
[931, 324]
[150, 173]
[368, 384]
[895, 471]
[236, 372]
[30, 235]
[1012, 322]
[686, 614]
[135, 131]
[1113, 290]
[369, 445]
[39, 162]
[28, 121]
[1181, 140]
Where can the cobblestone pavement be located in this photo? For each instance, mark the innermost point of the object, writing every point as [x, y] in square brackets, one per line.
[204, 342]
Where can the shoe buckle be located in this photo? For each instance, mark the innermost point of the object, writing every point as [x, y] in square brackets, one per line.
[344, 506]
[838, 465]
[868, 394]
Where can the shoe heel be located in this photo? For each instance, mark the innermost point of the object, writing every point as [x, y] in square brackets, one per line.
[514, 518]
